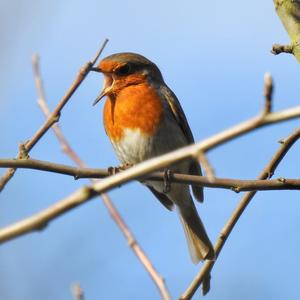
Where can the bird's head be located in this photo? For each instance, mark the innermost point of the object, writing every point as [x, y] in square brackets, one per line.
[124, 69]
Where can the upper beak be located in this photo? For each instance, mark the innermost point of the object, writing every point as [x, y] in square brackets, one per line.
[107, 86]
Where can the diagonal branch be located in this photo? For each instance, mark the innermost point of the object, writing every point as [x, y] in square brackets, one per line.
[67, 149]
[249, 125]
[54, 116]
[265, 174]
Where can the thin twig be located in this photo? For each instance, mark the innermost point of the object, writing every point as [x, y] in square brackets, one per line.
[54, 116]
[65, 146]
[236, 185]
[249, 125]
[68, 150]
[266, 173]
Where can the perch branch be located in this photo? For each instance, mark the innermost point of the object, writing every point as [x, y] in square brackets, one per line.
[68, 150]
[265, 174]
[237, 185]
[54, 116]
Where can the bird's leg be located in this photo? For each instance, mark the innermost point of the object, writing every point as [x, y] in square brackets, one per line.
[114, 170]
[167, 182]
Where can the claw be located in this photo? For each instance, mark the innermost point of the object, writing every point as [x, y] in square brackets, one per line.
[167, 183]
[113, 170]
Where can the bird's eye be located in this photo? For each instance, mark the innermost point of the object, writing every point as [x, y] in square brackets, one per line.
[123, 70]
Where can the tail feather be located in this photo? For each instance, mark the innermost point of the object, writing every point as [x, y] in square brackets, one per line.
[199, 244]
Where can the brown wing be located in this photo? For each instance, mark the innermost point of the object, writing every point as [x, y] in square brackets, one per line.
[178, 113]
[181, 120]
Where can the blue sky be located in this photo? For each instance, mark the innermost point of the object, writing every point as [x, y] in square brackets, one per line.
[213, 56]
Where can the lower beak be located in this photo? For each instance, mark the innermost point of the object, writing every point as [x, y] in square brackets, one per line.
[102, 94]
[107, 87]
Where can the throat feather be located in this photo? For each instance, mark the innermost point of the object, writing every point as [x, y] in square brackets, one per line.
[134, 107]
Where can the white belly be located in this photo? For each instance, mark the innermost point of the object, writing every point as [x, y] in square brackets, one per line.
[134, 147]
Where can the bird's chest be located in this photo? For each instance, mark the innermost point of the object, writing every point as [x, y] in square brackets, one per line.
[133, 147]
[131, 120]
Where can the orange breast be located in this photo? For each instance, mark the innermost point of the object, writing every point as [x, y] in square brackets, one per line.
[134, 106]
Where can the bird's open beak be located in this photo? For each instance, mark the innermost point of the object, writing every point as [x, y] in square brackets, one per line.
[107, 86]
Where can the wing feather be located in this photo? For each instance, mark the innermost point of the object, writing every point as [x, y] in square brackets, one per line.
[182, 122]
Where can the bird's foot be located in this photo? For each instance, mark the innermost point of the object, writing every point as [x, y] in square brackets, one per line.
[167, 181]
[114, 170]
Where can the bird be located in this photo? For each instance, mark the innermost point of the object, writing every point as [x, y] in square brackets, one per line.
[144, 119]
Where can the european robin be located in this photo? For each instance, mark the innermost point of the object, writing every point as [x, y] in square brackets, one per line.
[143, 119]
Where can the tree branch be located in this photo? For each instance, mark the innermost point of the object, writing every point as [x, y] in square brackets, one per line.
[54, 116]
[266, 173]
[289, 14]
[67, 149]
[237, 185]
